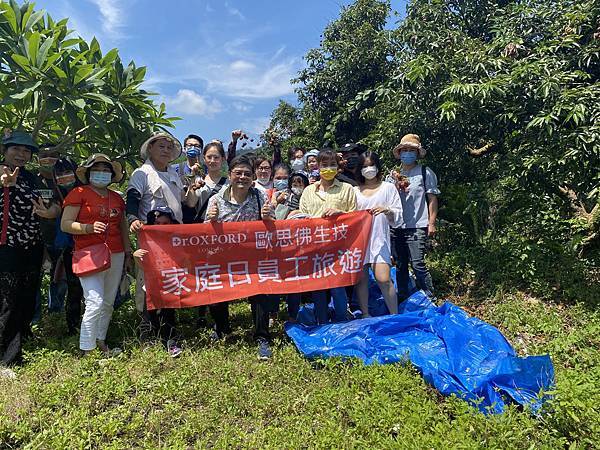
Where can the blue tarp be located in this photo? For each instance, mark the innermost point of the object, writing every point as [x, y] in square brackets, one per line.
[454, 352]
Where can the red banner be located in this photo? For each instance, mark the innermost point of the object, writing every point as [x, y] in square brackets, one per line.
[200, 264]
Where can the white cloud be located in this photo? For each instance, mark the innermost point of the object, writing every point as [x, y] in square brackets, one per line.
[256, 125]
[112, 16]
[240, 65]
[187, 101]
[248, 81]
[234, 11]
[241, 107]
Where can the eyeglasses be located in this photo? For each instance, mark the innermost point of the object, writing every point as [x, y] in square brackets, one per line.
[264, 169]
[241, 174]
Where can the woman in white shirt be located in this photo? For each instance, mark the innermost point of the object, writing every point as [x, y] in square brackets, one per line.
[382, 200]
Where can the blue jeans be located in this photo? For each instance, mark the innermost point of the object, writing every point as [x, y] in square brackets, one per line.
[409, 247]
[340, 304]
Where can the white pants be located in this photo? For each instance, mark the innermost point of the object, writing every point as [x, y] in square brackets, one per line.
[99, 292]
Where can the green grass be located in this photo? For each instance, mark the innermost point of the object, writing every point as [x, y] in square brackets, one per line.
[220, 395]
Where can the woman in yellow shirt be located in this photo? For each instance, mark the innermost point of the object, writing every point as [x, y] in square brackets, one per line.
[327, 198]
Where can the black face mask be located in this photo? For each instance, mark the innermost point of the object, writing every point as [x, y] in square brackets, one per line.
[352, 162]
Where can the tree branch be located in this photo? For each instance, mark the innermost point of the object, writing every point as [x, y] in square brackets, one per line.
[476, 152]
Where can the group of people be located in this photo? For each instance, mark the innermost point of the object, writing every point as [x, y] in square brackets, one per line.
[67, 214]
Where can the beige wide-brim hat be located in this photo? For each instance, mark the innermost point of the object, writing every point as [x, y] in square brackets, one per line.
[161, 135]
[412, 142]
[117, 168]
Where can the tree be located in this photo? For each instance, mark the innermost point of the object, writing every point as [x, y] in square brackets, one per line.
[66, 91]
[506, 97]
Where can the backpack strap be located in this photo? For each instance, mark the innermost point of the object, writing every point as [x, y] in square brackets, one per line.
[258, 203]
[424, 175]
[202, 211]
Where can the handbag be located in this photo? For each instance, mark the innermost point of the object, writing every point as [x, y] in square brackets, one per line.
[95, 258]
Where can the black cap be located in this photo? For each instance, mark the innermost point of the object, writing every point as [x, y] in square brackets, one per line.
[160, 211]
[352, 147]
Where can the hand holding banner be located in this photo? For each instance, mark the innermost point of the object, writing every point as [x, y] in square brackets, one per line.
[200, 264]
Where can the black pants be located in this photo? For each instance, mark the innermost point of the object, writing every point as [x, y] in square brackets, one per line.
[260, 305]
[158, 323]
[18, 291]
[74, 293]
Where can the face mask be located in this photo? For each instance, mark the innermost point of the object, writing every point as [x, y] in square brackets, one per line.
[328, 173]
[263, 180]
[280, 185]
[297, 165]
[297, 191]
[408, 157]
[352, 162]
[192, 152]
[100, 179]
[369, 172]
[47, 163]
[66, 181]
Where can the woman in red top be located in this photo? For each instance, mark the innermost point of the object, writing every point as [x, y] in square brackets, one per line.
[94, 214]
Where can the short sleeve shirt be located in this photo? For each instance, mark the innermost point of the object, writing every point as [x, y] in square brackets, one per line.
[95, 208]
[415, 213]
[153, 196]
[339, 196]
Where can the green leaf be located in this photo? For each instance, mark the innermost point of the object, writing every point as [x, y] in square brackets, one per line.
[98, 96]
[80, 103]
[21, 61]
[26, 91]
[33, 46]
[33, 19]
[43, 51]
[9, 15]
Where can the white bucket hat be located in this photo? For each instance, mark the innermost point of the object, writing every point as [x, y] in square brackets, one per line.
[161, 135]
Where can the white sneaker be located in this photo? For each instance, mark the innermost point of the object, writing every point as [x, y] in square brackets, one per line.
[7, 373]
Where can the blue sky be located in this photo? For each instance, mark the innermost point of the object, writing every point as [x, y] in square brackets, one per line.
[219, 65]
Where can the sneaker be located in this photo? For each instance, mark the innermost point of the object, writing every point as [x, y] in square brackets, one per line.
[7, 373]
[264, 350]
[173, 349]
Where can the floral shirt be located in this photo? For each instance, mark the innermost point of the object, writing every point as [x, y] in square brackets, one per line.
[232, 212]
[20, 226]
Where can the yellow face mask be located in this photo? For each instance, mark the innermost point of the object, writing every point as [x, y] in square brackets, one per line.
[328, 173]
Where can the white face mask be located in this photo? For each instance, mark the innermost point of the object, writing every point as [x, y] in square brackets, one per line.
[100, 179]
[263, 180]
[297, 165]
[297, 191]
[369, 172]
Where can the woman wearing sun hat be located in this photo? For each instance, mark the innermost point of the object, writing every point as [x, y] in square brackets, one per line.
[418, 189]
[95, 215]
[21, 247]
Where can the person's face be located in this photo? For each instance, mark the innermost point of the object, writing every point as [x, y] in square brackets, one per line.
[263, 170]
[368, 163]
[348, 156]
[328, 164]
[192, 142]
[241, 177]
[407, 150]
[101, 167]
[17, 155]
[47, 159]
[281, 174]
[297, 183]
[213, 159]
[312, 163]
[65, 178]
[298, 154]
[161, 151]
[162, 220]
